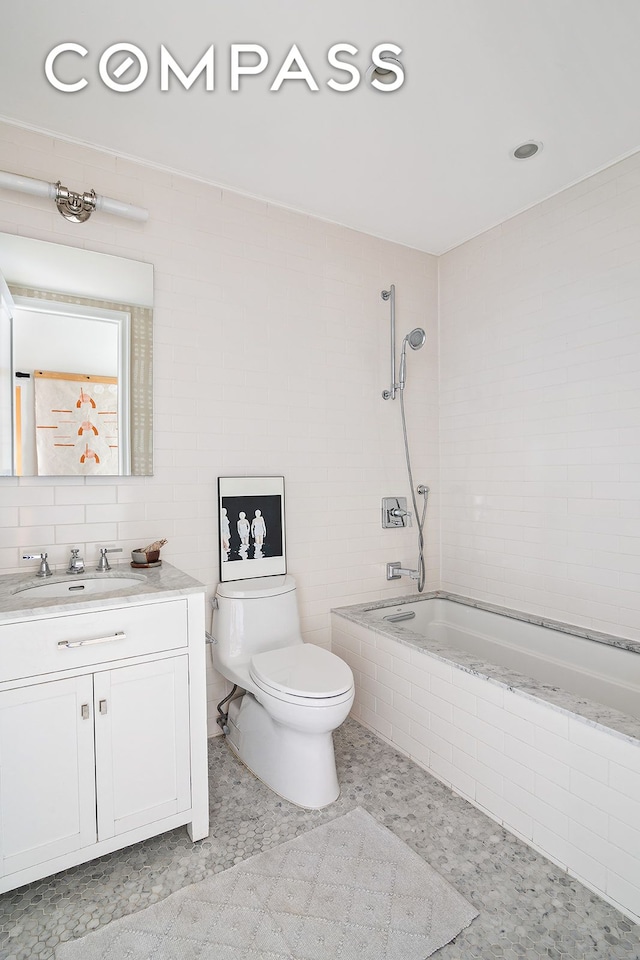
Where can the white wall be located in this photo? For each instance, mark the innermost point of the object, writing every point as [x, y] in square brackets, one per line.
[82, 273]
[271, 352]
[540, 407]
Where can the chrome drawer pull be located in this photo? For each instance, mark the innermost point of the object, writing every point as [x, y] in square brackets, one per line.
[120, 635]
[398, 617]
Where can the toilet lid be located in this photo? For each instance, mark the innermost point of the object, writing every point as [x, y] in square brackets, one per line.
[303, 670]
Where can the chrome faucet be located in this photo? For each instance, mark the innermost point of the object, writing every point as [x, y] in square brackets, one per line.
[76, 563]
[395, 571]
[103, 564]
[44, 570]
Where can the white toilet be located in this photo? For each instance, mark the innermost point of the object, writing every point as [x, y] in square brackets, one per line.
[296, 693]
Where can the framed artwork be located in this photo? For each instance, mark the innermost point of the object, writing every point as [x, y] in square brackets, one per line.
[251, 527]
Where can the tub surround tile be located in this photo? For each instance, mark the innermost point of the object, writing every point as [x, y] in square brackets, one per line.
[520, 727]
[538, 715]
[516, 684]
[572, 755]
[619, 751]
[506, 766]
[625, 780]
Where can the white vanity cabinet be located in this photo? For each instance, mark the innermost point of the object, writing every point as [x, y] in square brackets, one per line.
[102, 732]
[47, 779]
[141, 716]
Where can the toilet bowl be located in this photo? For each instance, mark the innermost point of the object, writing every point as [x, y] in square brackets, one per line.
[295, 694]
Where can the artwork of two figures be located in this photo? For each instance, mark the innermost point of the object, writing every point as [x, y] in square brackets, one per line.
[251, 526]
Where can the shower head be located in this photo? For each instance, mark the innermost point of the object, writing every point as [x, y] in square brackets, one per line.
[415, 339]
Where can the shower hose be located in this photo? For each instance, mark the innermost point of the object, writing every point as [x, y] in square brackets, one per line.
[423, 491]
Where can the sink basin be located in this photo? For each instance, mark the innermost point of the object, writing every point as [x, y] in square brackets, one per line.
[81, 586]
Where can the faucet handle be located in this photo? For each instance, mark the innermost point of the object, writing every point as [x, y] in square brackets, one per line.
[103, 563]
[44, 570]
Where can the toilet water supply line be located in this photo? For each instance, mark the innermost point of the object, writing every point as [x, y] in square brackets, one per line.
[416, 339]
[222, 717]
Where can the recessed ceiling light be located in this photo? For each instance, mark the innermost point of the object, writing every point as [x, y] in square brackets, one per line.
[527, 150]
[382, 75]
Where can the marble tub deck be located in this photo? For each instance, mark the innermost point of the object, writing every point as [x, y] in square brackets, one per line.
[529, 909]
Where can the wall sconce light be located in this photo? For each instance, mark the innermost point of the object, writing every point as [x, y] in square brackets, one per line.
[75, 207]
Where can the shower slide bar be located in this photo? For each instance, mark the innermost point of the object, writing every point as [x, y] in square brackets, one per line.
[390, 295]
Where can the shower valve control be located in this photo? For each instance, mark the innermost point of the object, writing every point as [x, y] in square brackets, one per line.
[395, 513]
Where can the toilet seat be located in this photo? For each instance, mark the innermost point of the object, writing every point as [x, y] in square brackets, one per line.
[302, 673]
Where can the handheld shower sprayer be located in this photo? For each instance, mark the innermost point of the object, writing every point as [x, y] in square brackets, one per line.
[415, 339]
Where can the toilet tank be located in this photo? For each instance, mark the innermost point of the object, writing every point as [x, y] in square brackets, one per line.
[255, 615]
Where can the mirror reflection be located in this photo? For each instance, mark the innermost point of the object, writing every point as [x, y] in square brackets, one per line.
[75, 361]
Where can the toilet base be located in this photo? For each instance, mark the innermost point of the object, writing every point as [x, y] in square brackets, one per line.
[299, 766]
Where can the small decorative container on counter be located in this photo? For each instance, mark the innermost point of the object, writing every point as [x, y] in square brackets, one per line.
[148, 556]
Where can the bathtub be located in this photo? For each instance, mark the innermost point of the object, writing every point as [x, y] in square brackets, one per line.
[535, 722]
[596, 670]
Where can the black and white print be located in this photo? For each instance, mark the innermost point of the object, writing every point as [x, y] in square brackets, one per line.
[251, 527]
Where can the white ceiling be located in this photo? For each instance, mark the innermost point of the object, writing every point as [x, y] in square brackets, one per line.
[428, 166]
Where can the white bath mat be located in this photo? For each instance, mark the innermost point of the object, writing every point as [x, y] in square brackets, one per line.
[347, 890]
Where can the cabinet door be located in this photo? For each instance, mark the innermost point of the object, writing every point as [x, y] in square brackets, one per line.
[142, 744]
[47, 787]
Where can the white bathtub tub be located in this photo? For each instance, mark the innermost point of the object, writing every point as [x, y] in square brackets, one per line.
[598, 671]
[535, 723]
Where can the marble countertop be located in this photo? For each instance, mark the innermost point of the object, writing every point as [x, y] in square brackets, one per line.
[595, 714]
[18, 603]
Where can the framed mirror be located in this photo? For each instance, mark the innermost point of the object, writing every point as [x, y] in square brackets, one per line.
[76, 353]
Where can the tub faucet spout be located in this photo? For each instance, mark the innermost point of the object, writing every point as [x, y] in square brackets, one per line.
[395, 572]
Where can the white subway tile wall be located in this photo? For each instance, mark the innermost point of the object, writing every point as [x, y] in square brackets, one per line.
[540, 408]
[270, 357]
[568, 789]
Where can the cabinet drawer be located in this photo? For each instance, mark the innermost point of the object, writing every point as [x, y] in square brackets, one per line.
[48, 645]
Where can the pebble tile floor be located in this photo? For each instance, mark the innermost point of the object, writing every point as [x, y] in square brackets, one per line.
[529, 909]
